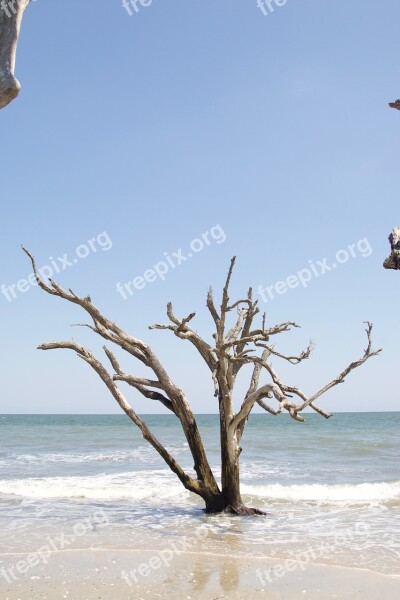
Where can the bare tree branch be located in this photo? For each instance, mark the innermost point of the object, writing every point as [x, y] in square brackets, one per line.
[142, 351]
[262, 392]
[87, 356]
[304, 354]
[211, 307]
[225, 301]
[255, 378]
[280, 390]
[234, 332]
[239, 302]
[354, 365]
[262, 362]
[181, 330]
[135, 381]
[151, 394]
[268, 408]
[395, 104]
[114, 363]
[241, 347]
[108, 330]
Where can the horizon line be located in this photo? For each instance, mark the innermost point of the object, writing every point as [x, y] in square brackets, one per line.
[342, 412]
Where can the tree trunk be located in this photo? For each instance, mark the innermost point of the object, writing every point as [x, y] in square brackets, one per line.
[230, 465]
[215, 503]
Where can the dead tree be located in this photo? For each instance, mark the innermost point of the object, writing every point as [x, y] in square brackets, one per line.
[393, 260]
[232, 348]
[11, 13]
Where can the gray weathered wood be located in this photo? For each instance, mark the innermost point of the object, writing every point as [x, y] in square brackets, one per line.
[11, 13]
[393, 260]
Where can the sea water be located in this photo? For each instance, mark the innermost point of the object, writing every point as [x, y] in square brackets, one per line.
[331, 488]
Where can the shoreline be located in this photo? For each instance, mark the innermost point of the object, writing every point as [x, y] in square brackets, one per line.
[240, 557]
[100, 573]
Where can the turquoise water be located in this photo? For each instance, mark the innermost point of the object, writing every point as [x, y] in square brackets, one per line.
[314, 479]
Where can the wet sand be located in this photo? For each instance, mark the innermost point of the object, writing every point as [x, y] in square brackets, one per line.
[137, 574]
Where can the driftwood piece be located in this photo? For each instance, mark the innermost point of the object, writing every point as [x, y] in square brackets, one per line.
[11, 12]
[393, 260]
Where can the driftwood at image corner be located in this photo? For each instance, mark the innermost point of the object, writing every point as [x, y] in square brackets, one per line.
[233, 347]
[393, 260]
[11, 14]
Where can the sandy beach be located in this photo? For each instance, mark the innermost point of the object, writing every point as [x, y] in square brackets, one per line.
[97, 575]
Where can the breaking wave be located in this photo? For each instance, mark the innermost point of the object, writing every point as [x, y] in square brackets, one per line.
[162, 485]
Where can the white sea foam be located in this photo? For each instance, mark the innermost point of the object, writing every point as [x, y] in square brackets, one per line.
[162, 485]
[143, 485]
[362, 493]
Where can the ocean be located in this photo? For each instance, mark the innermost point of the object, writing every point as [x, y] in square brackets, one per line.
[331, 488]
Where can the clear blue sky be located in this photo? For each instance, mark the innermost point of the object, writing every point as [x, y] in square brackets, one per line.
[158, 126]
